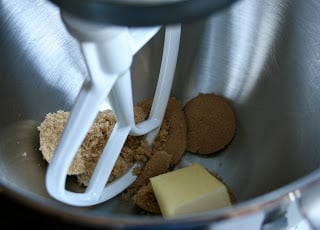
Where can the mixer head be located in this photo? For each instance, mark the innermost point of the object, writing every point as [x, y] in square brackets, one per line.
[142, 12]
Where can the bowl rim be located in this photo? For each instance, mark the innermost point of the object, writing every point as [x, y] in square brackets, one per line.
[280, 197]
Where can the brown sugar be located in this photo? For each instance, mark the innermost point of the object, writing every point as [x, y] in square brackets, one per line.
[86, 158]
[206, 124]
[167, 148]
[172, 136]
[159, 163]
[211, 123]
[134, 149]
[145, 199]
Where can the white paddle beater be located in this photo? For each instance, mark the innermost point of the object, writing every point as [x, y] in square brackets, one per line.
[108, 52]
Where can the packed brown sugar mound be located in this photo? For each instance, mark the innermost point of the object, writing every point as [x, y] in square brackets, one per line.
[50, 131]
[211, 123]
[167, 148]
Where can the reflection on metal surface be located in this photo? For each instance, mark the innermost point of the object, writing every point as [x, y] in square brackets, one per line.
[21, 160]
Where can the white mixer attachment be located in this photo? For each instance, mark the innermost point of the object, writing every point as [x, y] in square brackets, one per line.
[108, 51]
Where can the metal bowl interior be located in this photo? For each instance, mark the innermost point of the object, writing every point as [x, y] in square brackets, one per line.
[261, 55]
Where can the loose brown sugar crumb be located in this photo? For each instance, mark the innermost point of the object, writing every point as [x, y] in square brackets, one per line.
[172, 136]
[159, 163]
[146, 199]
[167, 149]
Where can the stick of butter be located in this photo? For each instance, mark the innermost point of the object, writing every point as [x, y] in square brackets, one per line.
[189, 190]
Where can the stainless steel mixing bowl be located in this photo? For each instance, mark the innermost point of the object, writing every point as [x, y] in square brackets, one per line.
[264, 56]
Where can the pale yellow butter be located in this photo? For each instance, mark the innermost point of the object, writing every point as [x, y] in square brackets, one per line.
[189, 190]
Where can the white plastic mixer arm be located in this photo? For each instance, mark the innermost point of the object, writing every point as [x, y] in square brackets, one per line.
[108, 52]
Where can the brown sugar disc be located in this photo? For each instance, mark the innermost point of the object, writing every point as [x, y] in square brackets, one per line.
[211, 123]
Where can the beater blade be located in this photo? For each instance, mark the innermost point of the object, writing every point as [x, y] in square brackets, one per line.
[108, 51]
